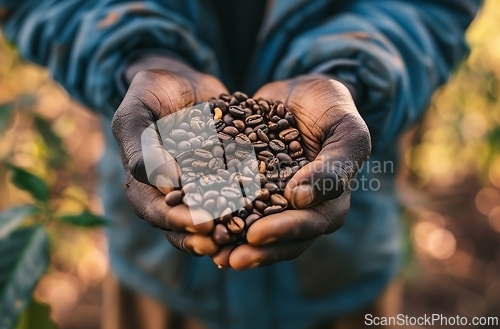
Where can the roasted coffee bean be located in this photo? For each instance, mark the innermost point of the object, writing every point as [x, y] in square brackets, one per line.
[193, 200]
[221, 104]
[271, 187]
[169, 143]
[242, 154]
[296, 154]
[211, 195]
[283, 124]
[233, 102]
[262, 167]
[295, 169]
[197, 125]
[242, 140]
[285, 174]
[240, 125]
[207, 145]
[275, 119]
[284, 159]
[253, 137]
[230, 192]
[228, 120]
[280, 110]
[251, 219]
[277, 146]
[232, 131]
[264, 106]
[210, 205]
[195, 142]
[262, 179]
[187, 163]
[224, 174]
[227, 214]
[236, 111]
[262, 136]
[216, 163]
[202, 154]
[272, 210]
[251, 102]
[230, 147]
[184, 126]
[262, 194]
[240, 96]
[272, 126]
[279, 200]
[289, 135]
[273, 163]
[262, 127]
[242, 213]
[281, 185]
[220, 234]
[266, 154]
[199, 165]
[254, 120]
[295, 146]
[236, 225]
[260, 205]
[260, 146]
[224, 137]
[178, 134]
[218, 151]
[174, 198]
[290, 118]
[303, 163]
[184, 155]
[233, 163]
[221, 203]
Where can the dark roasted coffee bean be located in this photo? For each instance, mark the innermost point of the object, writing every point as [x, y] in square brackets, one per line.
[230, 147]
[295, 146]
[280, 110]
[242, 154]
[218, 151]
[262, 127]
[262, 136]
[236, 225]
[240, 96]
[221, 203]
[251, 219]
[178, 134]
[207, 145]
[272, 176]
[240, 125]
[199, 165]
[169, 143]
[264, 106]
[289, 117]
[284, 159]
[187, 163]
[184, 126]
[219, 126]
[232, 131]
[272, 126]
[210, 205]
[266, 154]
[251, 102]
[174, 198]
[253, 137]
[184, 155]
[202, 154]
[296, 154]
[225, 97]
[254, 120]
[188, 177]
[233, 163]
[224, 137]
[273, 188]
[211, 195]
[260, 205]
[228, 120]
[197, 125]
[256, 109]
[262, 194]
[248, 131]
[216, 163]
[275, 119]
[195, 142]
[262, 179]
[295, 169]
[303, 163]
[193, 200]
[281, 185]
[259, 146]
[190, 135]
[242, 213]
[272, 210]
[283, 124]
[276, 145]
[236, 111]
[230, 192]
[233, 102]
[223, 174]
[220, 234]
[279, 200]
[272, 163]
[242, 140]
[289, 135]
[226, 215]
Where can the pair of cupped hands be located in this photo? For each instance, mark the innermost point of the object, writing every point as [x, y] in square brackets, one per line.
[335, 137]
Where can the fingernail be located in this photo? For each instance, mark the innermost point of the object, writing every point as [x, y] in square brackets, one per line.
[302, 196]
[164, 184]
[254, 264]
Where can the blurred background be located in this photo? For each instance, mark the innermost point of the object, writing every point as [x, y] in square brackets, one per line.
[449, 185]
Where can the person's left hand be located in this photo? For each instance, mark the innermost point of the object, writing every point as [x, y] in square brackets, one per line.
[337, 142]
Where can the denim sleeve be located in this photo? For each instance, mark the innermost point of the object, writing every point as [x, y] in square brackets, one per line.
[396, 52]
[86, 44]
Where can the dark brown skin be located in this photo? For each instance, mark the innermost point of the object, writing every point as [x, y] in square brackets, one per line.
[333, 133]
[337, 141]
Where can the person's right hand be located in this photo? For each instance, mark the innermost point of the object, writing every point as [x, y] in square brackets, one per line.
[158, 88]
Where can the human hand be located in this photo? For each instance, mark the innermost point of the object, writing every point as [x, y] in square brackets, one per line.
[159, 87]
[337, 142]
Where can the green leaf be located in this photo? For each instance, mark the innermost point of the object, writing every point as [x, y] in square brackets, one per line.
[11, 218]
[25, 257]
[36, 316]
[30, 183]
[56, 153]
[84, 219]
[6, 111]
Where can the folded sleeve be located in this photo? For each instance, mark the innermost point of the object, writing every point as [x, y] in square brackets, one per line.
[395, 53]
[86, 44]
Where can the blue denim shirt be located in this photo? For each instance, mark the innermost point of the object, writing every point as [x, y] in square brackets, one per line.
[395, 52]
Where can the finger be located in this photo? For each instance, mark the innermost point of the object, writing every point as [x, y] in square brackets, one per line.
[196, 244]
[221, 257]
[246, 257]
[302, 224]
[149, 203]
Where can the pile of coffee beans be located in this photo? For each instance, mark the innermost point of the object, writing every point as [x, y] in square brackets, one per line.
[236, 155]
